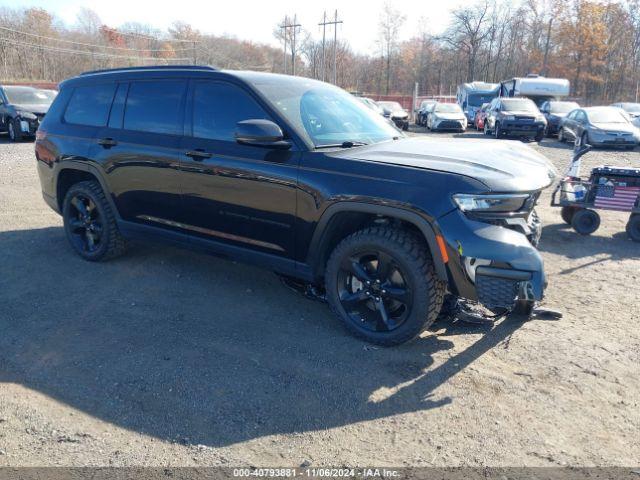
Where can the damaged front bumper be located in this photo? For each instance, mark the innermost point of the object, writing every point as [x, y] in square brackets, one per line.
[492, 264]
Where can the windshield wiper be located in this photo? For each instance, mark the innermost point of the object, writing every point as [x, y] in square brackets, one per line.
[345, 144]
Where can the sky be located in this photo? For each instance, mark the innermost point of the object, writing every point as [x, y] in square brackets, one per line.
[256, 19]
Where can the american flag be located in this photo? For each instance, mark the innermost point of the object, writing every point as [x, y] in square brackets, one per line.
[616, 198]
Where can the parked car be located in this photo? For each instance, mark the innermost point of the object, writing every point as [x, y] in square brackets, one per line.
[481, 114]
[514, 117]
[423, 112]
[554, 111]
[21, 110]
[599, 126]
[396, 113]
[447, 116]
[372, 105]
[632, 109]
[294, 175]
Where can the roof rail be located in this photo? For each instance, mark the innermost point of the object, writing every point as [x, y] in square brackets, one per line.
[151, 67]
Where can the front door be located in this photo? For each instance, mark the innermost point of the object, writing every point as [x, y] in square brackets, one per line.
[240, 195]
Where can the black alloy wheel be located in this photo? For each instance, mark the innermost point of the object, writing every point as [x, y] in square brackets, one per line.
[381, 283]
[85, 224]
[90, 223]
[374, 291]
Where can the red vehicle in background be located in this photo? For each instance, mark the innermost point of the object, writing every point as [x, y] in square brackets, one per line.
[481, 114]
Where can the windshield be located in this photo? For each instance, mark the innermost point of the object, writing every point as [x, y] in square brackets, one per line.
[324, 114]
[448, 108]
[562, 107]
[631, 107]
[520, 104]
[607, 116]
[477, 99]
[391, 106]
[27, 96]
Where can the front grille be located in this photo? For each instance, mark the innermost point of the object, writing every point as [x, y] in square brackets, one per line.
[496, 292]
[449, 124]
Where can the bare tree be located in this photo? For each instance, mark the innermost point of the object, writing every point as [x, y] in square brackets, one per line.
[391, 20]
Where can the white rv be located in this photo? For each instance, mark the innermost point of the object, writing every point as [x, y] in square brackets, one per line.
[537, 88]
[471, 96]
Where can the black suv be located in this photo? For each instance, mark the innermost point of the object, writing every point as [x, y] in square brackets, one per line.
[22, 109]
[518, 117]
[299, 177]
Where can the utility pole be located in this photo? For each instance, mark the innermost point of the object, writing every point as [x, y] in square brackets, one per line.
[324, 24]
[195, 54]
[285, 29]
[324, 36]
[293, 45]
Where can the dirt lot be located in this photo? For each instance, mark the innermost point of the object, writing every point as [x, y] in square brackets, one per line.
[166, 357]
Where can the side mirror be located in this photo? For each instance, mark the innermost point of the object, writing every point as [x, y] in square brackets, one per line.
[261, 133]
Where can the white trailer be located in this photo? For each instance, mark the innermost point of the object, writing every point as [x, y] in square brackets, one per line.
[537, 88]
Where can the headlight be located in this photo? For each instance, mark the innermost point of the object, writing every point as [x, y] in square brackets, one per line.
[510, 117]
[26, 115]
[490, 203]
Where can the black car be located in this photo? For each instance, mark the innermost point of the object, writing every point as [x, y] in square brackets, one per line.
[554, 111]
[297, 176]
[394, 111]
[517, 117]
[22, 109]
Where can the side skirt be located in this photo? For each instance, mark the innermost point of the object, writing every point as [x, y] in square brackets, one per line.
[148, 233]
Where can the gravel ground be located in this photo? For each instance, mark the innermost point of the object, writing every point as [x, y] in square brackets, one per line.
[168, 358]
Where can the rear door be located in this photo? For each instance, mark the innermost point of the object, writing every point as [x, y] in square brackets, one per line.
[139, 150]
[240, 195]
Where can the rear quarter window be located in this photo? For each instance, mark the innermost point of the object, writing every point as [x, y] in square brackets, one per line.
[90, 105]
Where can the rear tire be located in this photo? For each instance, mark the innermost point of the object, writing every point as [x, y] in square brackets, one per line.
[567, 214]
[633, 227]
[90, 223]
[585, 221]
[387, 310]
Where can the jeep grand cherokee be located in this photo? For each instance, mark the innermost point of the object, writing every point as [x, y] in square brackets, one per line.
[299, 177]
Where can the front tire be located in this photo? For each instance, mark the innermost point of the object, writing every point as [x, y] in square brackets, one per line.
[15, 134]
[381, 283]
[90, 224]
[496, 130]
[561, 137]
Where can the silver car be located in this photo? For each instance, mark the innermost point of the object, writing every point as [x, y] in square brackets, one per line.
[599, 126]
[447, 116]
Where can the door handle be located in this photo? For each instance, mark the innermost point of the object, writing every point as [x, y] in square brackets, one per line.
[107, 142]
[198, 154]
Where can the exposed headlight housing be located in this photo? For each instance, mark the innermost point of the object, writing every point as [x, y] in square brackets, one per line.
[26, 115]
[498, 203]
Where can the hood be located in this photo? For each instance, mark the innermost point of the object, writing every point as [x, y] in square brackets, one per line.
[33, 108]
[616, 127]
[558, 115]
[449, 116]
[502, 165]
[399, 113]
[521, 113]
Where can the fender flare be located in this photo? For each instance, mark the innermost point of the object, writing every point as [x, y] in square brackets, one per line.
[425, 227]
[85, 167]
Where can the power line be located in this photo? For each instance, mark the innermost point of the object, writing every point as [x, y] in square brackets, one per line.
[84, 52]
[62, 40]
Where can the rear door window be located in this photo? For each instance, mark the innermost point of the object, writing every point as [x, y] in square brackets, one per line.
[155, 106]
[90, 105]
[218, 107]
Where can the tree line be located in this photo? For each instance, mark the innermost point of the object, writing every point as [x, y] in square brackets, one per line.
[595, 44]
